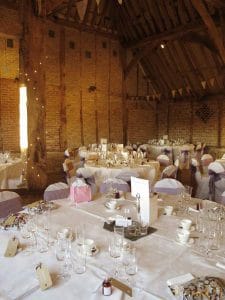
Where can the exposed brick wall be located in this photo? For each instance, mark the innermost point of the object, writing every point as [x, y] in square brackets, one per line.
[9, 95]
[182, 123]
[9, 88]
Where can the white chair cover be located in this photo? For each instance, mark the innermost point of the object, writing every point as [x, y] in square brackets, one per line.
[216, 181]
[202, 180]
[56, 191]
[127, 174]
[169, 186]
[10, 202]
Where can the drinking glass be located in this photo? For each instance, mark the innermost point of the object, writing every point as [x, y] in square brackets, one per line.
[80, 260]
[131, 262]
[63, 255]
[80, 234]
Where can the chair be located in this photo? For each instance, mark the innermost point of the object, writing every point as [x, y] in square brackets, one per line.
[169, 186]
[202, 177]
[164, 161]
[114, 183]
[169, 172]
[56, 191]
[216, 181]
[10, 202]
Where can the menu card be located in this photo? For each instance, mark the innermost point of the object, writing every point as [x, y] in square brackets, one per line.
[140, 188]
[148, 205]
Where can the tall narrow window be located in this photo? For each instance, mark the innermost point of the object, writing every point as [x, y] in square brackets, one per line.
[23, 118]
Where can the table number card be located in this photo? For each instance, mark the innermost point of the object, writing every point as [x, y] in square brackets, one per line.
[12, 247]
[148, 205]
[43, 276]
[103, 141]
[140, 187]
[104, 147]
[121, 286]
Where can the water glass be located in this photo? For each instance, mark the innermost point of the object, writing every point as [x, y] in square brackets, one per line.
[42, 238]
[131, 262]
[115, 246]
[80, 234]
[63, 255]
[80, 260]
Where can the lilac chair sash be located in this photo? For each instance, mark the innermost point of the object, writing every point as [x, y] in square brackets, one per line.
[114, 183]
[126, 175]
[10, 203]
[213, 178]
[56, 191]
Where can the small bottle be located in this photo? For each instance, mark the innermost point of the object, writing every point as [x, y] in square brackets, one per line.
[106, 287]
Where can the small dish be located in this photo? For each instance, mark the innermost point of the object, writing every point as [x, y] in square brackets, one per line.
[118, 207]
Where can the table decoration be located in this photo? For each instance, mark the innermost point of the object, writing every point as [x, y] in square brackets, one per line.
[133, 236]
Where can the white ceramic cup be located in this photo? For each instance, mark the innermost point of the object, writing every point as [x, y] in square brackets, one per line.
[112, 204]
[183, 235]
[88, 246]
[185, 224]
[168, 210]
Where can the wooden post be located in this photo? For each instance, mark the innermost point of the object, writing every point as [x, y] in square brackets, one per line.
[220, 113]
[33, 52]
[124, 95]
[191, 119]
[62, 128]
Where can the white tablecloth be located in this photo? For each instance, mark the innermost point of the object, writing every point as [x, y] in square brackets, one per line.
[157, 150]
[10, 174]
[148, 171]
[160, 257]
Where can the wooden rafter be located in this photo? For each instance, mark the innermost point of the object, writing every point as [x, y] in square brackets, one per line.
[217, 3]
[213, 31]
[84, 27]
[175, 33]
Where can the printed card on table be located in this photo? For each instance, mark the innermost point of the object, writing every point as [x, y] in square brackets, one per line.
[141, 187]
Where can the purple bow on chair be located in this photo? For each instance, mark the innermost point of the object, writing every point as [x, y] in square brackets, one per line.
[166, 151]
[213, 178]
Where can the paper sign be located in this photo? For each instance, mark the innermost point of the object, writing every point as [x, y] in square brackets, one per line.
[43, 276]
[119, 147]
[12, 246]
[104, 147]
[121, 286]
[140, 186]
[103, 141]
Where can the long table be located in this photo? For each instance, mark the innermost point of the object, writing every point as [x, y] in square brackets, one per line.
[10, 174]
[160, 257]
[148, 171]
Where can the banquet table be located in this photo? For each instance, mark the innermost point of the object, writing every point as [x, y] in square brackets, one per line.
[159, 256]
[10, 174]
[149, 170]
[156, 150]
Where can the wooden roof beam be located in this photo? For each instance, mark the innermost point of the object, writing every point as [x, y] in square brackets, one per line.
[211, 26]
[173, 34]
[85, 27]
[217, 3]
